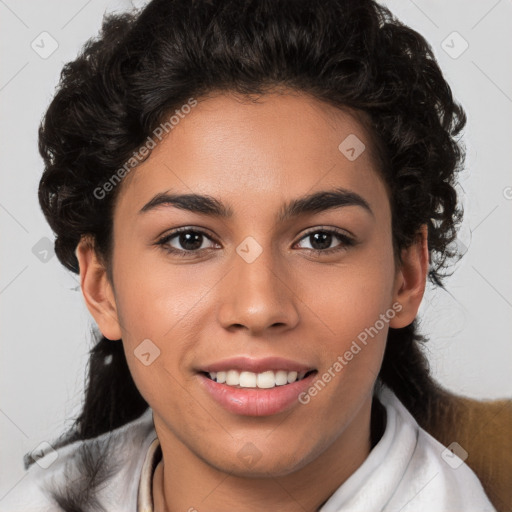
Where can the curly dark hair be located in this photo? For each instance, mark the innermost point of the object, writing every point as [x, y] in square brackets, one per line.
[146, 63]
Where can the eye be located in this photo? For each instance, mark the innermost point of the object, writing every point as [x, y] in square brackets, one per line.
[190, 240]
[322, 239]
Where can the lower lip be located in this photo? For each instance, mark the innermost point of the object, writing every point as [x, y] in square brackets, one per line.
[255, 401]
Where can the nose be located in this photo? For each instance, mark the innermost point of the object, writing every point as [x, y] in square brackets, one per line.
[258, 295]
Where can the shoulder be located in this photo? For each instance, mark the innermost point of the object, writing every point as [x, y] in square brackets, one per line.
[435, 478]
[95, 474]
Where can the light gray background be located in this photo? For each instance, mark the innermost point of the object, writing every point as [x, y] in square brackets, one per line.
[45, 326]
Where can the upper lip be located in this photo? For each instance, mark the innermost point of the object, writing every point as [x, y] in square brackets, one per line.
[256, 365]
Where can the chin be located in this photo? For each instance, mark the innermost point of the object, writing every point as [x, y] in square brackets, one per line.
[248, 462]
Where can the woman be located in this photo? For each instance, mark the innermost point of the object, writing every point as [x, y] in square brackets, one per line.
[254, 193]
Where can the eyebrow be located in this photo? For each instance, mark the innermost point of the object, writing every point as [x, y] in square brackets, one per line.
[312, 203]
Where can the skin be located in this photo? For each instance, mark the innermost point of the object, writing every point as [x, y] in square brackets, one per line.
[288, 302]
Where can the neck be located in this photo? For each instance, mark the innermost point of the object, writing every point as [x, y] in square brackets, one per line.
[184, 482]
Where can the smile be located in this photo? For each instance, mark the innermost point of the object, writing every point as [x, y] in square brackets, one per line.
[264, 380]
[255, 387]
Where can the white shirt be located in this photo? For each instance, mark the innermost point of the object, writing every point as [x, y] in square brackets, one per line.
[407, 471]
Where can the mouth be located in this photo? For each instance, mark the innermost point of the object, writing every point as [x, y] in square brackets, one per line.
[250, 387]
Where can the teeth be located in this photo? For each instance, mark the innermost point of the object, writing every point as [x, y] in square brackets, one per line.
[264, 380]
[247, 380]
[232, 378]
[281, 378]
[292, 377]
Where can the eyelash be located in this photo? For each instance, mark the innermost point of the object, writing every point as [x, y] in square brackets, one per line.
[346, 241]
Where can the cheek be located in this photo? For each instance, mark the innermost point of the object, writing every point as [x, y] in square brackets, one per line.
[352, 310]
[349, 298]
[152, 299]
[159, 310]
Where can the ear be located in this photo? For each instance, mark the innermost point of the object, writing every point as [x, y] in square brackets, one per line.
[97, 289]
[411, 279]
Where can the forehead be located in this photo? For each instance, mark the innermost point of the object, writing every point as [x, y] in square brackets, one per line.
[259, 153]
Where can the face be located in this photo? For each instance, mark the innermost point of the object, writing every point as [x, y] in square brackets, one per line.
[254, 293]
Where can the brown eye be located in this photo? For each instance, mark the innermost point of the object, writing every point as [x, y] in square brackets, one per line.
[184, 240]
[321, 241]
